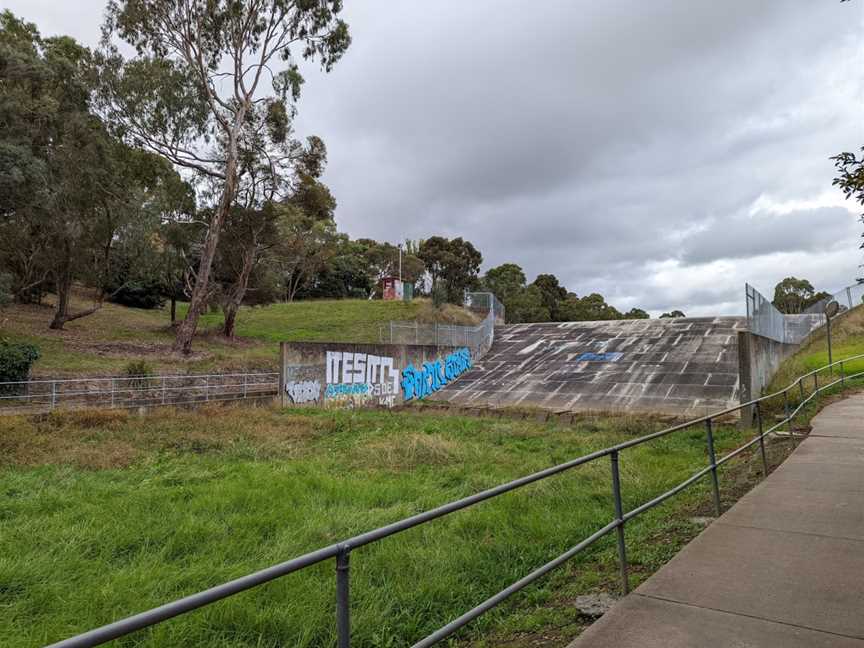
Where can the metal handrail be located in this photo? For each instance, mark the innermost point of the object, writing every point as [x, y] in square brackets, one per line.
[340, 551]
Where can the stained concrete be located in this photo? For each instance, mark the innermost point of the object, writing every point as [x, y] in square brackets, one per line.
[686, 366]
[782, 567]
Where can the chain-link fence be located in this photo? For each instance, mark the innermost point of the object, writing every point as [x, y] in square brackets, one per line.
[136, 391]
[478, 338]
[765, 320]
[848, 298]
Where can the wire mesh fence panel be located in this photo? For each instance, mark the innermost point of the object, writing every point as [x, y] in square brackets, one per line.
[478, 338]
[134, 391]
[764, 319]
[848, 298]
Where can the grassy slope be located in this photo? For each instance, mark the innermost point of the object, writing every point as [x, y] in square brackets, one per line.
[106, 514]
[105, 342]
[847, 340]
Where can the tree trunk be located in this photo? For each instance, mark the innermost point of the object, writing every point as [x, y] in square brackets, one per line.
[200, 292]
[173, 310]
[63, 279]
[61, 310]
[237, 293]
[230, 311]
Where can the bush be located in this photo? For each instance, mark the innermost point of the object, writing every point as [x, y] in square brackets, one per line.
[16, 360]
[140, 371]
[139, 294]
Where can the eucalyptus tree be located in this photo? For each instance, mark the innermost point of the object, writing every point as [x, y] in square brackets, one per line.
[212, 88]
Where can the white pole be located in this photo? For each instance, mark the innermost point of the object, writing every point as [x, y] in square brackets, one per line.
[400, 262]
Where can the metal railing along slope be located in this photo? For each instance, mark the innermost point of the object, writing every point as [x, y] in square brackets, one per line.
[135, 391]
[340, 552]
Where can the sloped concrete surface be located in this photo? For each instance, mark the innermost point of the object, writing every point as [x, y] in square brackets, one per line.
[783, 567]
[676, 366]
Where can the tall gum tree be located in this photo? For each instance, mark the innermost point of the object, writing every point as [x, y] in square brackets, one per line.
[205, 73]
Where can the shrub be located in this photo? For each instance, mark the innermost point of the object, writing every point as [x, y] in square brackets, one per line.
[16, 360]
[139, 294]
[140, 371]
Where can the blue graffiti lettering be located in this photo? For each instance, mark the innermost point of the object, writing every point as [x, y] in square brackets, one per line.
[599, 357]
[420, 383]
[345, 389]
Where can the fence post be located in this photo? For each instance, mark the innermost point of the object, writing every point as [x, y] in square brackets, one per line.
[163, 390]
[245, 382]
[113, 391]
[619, 518]
[343, 604]
[207, 388]
[713, 458]
[842, 375]
[761, 439]
[53, 394]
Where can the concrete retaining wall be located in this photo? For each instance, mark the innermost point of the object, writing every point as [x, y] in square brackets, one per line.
[759, 358]
[328, 374]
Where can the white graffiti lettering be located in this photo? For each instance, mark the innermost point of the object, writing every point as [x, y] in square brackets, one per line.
[303, 392]
[348, 368]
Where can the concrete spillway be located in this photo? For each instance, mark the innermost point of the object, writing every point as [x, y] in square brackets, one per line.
[670, 366]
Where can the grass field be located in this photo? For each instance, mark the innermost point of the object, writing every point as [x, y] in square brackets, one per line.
[105, 514]
[103, 343]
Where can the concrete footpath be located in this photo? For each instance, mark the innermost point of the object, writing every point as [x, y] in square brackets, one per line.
[784, 567]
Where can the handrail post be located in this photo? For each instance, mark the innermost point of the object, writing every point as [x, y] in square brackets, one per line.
[761, 439]
[713, 458]
[842, 375]
[619, 518]
[816, 381]
[343, 604]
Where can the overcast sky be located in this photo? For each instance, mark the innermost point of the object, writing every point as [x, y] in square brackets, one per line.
[661, 153]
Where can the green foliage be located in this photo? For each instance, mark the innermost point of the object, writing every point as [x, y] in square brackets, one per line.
[16, 361]
[793, 295]
[553, 293]
[636, 313]
[145, 293]
[454, 263]
[589, 308]
[527, 305]
[673, 314]
[505, 282]
[138, 368]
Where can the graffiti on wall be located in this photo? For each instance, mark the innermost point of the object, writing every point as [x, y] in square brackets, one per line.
[420, 383]
[600, 357]
[360, 378]
[308, 391]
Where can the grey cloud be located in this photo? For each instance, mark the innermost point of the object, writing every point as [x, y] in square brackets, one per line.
[594, 140]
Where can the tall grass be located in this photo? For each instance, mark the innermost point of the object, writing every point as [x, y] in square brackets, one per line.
[105, 515]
